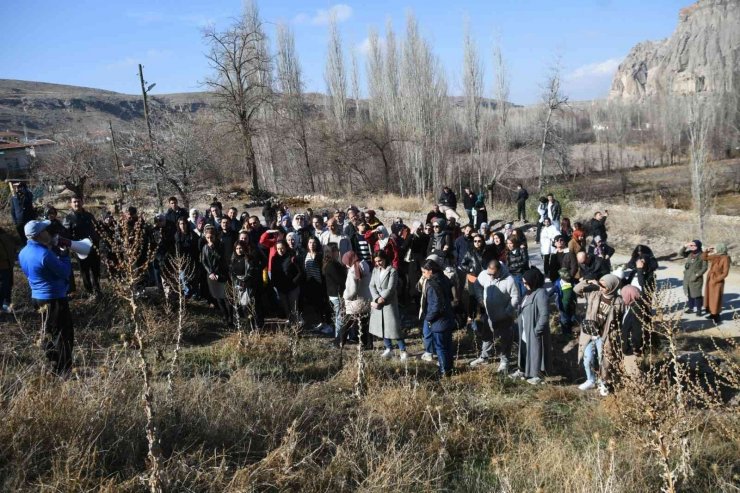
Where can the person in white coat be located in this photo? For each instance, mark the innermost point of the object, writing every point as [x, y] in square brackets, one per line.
[548, 234]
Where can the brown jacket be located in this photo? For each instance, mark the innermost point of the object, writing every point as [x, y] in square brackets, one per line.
[719, 267]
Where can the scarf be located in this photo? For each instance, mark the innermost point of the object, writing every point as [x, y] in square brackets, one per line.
[382, 243]
[630, 294]
[698, 246]
[720, 249]
[351, 260]
[610, 282]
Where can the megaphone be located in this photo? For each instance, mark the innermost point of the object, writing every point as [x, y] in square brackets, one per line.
[81, 248]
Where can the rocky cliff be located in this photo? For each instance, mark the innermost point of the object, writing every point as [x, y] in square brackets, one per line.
[702, 55]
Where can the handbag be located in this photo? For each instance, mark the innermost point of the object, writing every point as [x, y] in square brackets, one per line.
[357, 306]
[590, 327]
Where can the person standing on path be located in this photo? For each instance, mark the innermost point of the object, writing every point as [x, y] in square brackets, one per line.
[693, 276]
[719, 268]
[521, 202]
[469, 199]
[81, 224]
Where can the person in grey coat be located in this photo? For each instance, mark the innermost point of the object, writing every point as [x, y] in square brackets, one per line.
[385, 318]
[534, 330]
[693, 276]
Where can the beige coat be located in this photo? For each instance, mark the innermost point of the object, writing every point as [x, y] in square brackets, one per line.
[612, 347]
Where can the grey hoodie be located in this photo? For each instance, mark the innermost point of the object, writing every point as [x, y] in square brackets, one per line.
[500, 295]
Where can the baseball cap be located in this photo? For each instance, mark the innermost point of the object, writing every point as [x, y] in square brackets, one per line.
[32, 228]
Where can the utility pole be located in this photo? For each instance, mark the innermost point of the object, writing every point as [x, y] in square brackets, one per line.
[118, 162]
[157, 163]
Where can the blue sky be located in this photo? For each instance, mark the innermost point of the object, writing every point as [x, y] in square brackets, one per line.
[98, 43]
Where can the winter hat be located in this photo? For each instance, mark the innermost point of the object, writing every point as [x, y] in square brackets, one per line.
[720, 249]
[564, 274]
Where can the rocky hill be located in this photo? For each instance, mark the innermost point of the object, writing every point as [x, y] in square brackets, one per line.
[702, 55]
[47, 108]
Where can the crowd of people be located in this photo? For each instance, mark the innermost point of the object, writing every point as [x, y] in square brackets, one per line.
[345, 274]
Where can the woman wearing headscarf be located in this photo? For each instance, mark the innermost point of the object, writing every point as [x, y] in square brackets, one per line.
[438, 313]
[693, 276]
[440, 243]
[193, 218]
[481, 211]
[632, 321]
[357, 298]
[381, 241]
[719, 267]
[385, 318]
[577, 242]
[534, 329]
[246, 277]
[600, 330]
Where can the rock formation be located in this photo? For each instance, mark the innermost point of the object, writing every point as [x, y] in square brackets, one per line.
[702, 55]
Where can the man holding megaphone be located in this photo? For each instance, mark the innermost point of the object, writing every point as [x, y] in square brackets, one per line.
[82, 225]
[48, 270]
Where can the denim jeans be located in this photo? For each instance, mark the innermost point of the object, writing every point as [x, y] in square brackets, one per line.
[388, 343]
[6, 285]
[592, 350]
[520, 284]
[427, 338]
[187, 290]
[443, 343]
[336, 307]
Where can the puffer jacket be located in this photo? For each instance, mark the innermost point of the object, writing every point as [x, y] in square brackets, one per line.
[517, 261]
[472, 262]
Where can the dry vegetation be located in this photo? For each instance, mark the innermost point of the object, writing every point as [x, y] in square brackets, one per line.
[242, 415]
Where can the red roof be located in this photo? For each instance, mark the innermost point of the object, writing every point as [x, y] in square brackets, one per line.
[5, 145]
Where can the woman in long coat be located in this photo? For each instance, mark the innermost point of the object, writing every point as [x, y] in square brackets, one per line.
[534, 329]
[693, 276]
[719, 267]
[385, 318]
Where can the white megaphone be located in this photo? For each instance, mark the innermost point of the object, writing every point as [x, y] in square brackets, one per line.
[81, 248]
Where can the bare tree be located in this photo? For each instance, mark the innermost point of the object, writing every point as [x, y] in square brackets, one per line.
[700, 115]
[293, 105]
[553, 102]
[336, 84]
[240, 63]
[473, 92]
[75, 163]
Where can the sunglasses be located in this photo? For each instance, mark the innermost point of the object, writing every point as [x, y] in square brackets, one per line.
[436, 227]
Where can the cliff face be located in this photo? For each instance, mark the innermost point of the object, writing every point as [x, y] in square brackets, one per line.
[702, 55]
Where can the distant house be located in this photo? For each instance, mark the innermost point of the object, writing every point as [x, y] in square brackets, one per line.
[16, 155]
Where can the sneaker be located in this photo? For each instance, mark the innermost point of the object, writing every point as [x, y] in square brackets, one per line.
[535, 381]
[519, 374]
[479, 362]
[388, 353]
[6, 309]
[689, 310]
[404, 355]
[328, 330]
[503, 367]
[587, 385]
[427, 356]
[603, 391]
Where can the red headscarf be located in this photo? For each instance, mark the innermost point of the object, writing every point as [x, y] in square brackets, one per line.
[351, 260]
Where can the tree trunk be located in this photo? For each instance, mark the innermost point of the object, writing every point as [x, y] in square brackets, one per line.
[545, 131]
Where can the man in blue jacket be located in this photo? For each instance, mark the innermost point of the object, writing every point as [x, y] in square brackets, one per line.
[48, 275]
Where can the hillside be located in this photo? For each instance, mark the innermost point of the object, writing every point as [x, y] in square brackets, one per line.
[45, 108]
[702, 55]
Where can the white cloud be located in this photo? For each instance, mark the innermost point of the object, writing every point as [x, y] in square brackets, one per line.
[341, 12]
[598, 69]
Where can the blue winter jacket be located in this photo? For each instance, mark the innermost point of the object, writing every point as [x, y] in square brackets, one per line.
[439, 312]
[47, 273]
[21, 208]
